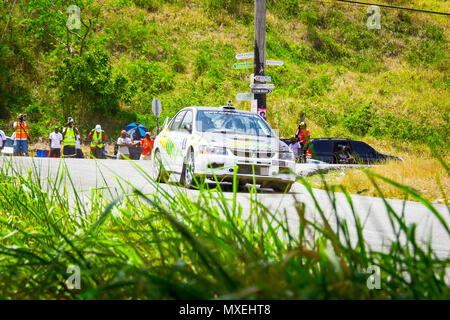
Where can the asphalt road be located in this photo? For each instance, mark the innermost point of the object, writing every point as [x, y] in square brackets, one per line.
[86, 174]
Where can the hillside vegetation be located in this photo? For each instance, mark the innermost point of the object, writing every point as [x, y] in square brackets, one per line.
[389, 86]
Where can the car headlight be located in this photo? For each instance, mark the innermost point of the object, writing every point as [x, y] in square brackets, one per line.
[212, 150]
[286, 155]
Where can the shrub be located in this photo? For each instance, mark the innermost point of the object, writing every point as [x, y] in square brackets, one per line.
[359, 121]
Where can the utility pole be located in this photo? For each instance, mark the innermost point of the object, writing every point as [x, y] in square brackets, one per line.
[260, 52]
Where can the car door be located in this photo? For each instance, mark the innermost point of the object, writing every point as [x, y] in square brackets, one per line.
[364, 152]
[183, 133]
[322, 150]
[169, 149]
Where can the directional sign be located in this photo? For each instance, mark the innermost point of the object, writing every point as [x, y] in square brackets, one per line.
[262, 86]
[262, 91]
[244, 96]
[274, 63]
[263, 78]
[156, 107]
[247, 55]
[243, 65]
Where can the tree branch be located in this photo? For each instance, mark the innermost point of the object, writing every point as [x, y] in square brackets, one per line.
[85, 35]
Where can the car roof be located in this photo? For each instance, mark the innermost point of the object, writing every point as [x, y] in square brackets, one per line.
[221, 108]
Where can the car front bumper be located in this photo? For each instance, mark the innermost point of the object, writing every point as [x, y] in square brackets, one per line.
[249, 169]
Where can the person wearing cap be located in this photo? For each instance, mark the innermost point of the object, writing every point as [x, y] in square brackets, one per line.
[55, 143]
[123, 143]
[22, 135]
[147, 145]
[303, 134]
[98, 138]
[69, 133]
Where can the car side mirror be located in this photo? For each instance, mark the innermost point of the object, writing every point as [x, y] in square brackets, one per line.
[188, 127]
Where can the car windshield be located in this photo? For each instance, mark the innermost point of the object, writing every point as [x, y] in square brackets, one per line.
[231, 122]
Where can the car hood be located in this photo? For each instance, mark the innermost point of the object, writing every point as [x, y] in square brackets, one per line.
[237, 141]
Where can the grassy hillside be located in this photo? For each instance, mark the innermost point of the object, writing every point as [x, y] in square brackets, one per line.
[388, 86]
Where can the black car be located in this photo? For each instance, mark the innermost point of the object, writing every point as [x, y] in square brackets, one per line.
[330, 150]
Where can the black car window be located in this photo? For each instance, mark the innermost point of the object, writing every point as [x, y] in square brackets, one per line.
[362, 148]
[322, 146]
[177, 121]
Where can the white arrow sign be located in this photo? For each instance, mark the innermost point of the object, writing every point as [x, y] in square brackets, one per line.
[263, 78]
[262, 86]
[156, 107]
[274, 63]
[244, 96]
[262, 91]
[242, 56]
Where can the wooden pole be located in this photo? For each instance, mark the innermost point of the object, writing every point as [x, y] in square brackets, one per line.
[260, 51]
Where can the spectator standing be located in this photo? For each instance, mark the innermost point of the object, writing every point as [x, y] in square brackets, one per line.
[2, 139]
[79, 152]
[55, 143]
[98, 138]
[295, 147]
[303, 134]
[124, 142]
[69, 134]
[22, 135]
[147, 145]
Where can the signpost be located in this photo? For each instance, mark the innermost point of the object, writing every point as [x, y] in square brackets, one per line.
[263, 78]
[156, 108]
[262, 86]
[247, 55]
[244, 96]
[274, 63]
[243, 65]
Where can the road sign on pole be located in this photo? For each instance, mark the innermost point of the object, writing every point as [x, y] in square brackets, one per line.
[274, 63]
[244, 96]
[263, 78]
[247, 55]
[156, 108]
[262, 91]
[243, 65]
[262, 86]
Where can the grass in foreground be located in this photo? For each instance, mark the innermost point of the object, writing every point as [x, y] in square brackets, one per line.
[172, 246]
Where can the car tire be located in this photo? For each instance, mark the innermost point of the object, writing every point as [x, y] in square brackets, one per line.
[187, 174]
[161, 173]
[284, 187]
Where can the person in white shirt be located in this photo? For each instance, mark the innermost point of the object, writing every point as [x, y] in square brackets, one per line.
[123, 143]
[295, 147]
[2, 139]
[55, 143]
[80, 154]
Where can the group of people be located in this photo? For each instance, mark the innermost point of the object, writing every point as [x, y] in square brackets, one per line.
[124, 143]
[70, 139]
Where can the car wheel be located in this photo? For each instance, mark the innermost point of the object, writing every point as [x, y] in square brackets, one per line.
[161, 173]
[284, 187]
[187, 174]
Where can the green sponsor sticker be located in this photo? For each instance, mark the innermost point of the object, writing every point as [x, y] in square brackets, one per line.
[243, 65]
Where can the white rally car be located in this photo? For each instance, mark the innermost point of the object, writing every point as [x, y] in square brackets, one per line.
[203, 142]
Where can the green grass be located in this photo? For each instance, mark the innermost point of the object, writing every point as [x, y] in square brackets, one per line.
[175, 246]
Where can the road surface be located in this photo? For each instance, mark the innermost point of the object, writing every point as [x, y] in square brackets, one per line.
[87, 174]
